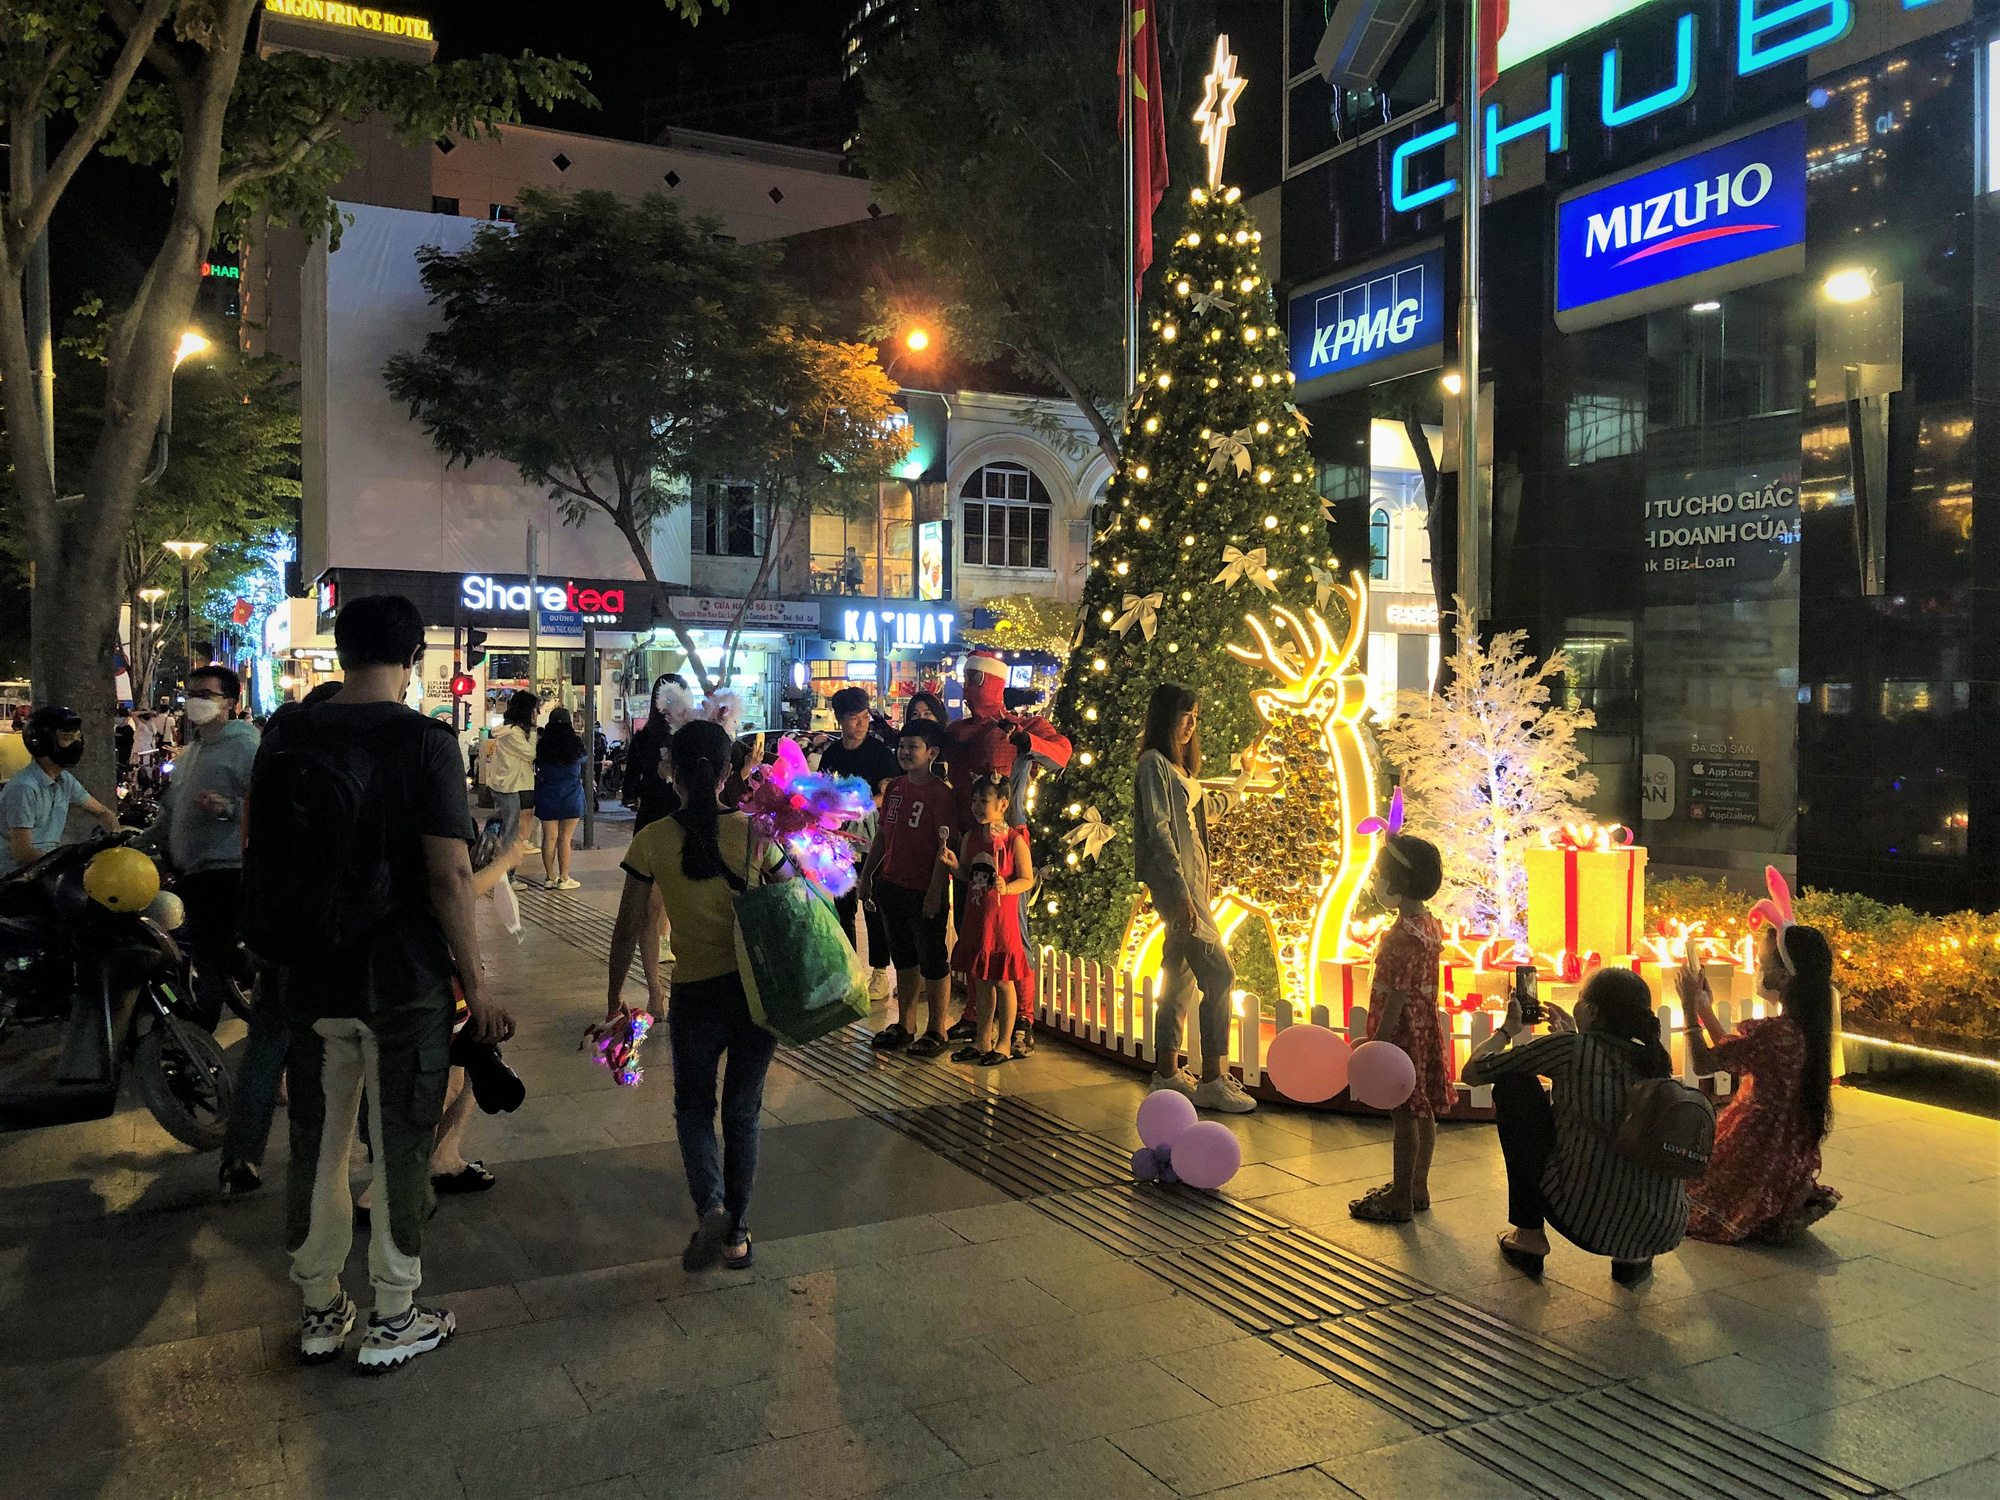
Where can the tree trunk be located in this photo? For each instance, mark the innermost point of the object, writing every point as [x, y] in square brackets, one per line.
[662, 600]
[773, 549]
[1107, 439]
[1443, 579]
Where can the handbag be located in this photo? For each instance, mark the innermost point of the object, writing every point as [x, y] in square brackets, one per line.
[800, 975]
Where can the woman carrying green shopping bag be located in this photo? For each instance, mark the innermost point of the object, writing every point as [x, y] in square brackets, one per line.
[698, 859]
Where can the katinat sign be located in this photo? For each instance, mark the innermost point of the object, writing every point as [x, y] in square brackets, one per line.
[1365, 319]
[1722, 218]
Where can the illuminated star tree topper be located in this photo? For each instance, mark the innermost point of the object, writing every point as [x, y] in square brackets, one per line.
[1218, 108]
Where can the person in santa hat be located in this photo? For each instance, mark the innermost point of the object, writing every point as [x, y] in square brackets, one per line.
[991, 740]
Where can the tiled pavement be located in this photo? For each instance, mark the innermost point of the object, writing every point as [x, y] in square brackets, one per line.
[912, 1329]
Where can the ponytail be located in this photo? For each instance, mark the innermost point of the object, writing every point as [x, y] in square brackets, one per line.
[700, 751]
[1624, 1008]
[1809, 1002]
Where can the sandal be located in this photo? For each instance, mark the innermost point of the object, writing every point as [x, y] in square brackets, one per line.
[930, 1044]
[470, 1178]
[1372, 1208]
[1023, 1040]
[971, 1052]
[993, 1059]
[741, 1262]
[1520, 1259]
[891, 1037]
[961, 1032]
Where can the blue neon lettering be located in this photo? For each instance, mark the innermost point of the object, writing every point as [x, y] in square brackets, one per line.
[1399, 170]
[1753, 23]
[1550, 119]
[1683, 86]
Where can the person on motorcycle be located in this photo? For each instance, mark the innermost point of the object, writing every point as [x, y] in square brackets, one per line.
[35, 804]
[201, 826]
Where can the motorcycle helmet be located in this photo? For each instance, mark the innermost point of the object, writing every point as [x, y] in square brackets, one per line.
[14, 756]
[44, 724]
[167, 911]
[122, 880]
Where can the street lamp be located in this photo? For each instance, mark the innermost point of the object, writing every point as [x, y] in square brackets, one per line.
[187, 552]
[152, 598]
[191, 343]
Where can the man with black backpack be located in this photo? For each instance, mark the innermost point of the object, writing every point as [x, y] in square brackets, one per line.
[358, 882]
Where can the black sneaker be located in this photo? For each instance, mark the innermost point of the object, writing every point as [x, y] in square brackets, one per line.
[238, 1178]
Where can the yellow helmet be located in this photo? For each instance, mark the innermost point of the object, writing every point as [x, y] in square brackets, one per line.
[13, 755]
[122, 880]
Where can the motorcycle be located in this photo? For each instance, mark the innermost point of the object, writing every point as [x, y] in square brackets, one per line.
[112, 990]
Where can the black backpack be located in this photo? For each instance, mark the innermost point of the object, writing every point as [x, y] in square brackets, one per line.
[316, 871]
[1667, 1128]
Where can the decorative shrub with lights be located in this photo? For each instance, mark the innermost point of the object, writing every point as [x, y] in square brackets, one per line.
[1212, 514]
[1902, 975]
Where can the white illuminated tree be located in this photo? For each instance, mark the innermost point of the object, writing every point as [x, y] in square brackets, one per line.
[1487, 765]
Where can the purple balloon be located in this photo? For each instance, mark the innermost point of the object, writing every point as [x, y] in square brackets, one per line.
[1381, 1074]
[1164, 1116]
[1145, 1165]
[1169, 1176]
[1208, 1155]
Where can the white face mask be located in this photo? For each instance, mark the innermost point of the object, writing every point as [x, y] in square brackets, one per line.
[203, 710]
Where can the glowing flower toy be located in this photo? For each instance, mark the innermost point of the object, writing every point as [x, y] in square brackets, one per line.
[617, 1043]
[804, 812]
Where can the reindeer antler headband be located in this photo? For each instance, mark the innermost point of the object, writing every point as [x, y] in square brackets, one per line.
[1777, 910]
[1392, 827]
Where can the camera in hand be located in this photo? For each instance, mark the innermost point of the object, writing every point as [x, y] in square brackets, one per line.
[1526, 995]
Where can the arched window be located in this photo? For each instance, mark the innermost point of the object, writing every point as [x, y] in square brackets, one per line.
[1006, 518]
[1378, 544]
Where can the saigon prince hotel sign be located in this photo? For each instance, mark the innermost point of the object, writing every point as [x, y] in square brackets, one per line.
[352, 18]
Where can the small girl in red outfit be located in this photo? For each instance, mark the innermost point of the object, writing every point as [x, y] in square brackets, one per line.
[1403, 1009]
[998, 868]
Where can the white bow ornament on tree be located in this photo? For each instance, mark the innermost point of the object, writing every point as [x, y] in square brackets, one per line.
[1092, 834]
[1228, 447]
[1299, 417]
[1237, 566]
[1203, 302]
[1323, 584]
[1140, 610]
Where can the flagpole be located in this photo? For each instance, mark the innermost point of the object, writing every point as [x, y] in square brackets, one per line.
[1126, 79]
[1471, 187]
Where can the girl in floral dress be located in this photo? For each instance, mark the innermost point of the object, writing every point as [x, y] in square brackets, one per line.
[1403, 1010]
[1762, 1182]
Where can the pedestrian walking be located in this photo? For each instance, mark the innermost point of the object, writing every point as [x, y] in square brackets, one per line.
[558, 796]
[1171, 810]
[509, 759]
[905, 878]
[997, 870]
[358, 880]
[859, 753]
[696, 859]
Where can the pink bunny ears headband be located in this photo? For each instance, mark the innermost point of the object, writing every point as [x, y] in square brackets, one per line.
[1392, 827]
[1777, 910]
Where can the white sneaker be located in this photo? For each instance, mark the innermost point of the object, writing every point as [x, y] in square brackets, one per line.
[1224, 1094]
[881, 984]
[399, 1340]
[569, 885]
[323, 1331]
[1181, 1081]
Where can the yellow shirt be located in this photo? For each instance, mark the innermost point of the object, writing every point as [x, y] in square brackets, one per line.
[702, 911]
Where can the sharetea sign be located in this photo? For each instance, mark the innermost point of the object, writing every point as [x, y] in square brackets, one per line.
[1395, 309]
[1661, 237]
[482, 594]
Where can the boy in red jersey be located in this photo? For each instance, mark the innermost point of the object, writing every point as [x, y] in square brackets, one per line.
[903, 878]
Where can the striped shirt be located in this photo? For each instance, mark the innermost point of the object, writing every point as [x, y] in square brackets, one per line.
[1600, 1201]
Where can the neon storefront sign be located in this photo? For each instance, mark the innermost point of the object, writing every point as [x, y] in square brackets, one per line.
[1397, 309]
[479, 592]
[897, 627]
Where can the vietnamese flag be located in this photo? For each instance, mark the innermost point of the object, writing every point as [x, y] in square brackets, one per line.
[1149, 143]
[1493, 20]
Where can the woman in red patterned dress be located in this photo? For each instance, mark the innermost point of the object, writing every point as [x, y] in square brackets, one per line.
[1762, 1181]
[1403, 1009]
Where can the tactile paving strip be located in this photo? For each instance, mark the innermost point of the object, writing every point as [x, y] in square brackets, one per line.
[577, 923]
[1273, 1281]
[1142, 1218]
[1619, 1444]
[1044, 1165]
[973, 1123]
[1439, 1362]
[879, 1082]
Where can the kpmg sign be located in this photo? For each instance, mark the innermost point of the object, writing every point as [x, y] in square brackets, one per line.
[1726, 217]
[1392, 310]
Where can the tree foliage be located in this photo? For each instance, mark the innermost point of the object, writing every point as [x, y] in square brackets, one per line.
[1487, 765]
[993, 132]
[618, 352]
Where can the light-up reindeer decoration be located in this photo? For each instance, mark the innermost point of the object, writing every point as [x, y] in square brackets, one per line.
[1284, 846]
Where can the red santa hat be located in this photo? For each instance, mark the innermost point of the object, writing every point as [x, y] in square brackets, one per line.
[989, 662]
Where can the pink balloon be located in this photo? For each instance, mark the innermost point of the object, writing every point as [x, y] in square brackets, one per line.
[1164, 1116]
[1381, 1074]
[1307, 1063]
[1208, 1155]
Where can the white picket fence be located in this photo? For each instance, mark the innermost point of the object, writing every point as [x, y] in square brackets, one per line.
[1108, 1009]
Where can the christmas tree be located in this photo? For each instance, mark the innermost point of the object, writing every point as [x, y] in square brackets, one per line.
[1487, 766]
[1212, 515]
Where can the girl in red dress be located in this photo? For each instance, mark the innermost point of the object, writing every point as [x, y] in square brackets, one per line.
[998, 868]
[1403, 1009]
[1762, 1182]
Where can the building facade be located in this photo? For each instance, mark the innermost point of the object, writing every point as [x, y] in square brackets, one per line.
[1738, 281]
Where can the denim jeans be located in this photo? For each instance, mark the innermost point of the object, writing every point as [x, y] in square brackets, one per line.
[707, 1018]
[262, 1070]
[508, 805]
[1191, 961]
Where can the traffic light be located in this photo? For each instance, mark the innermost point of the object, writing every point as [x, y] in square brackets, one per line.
[462, 686]
[475, 647]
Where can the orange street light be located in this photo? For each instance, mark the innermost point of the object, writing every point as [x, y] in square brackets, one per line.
[917, 340]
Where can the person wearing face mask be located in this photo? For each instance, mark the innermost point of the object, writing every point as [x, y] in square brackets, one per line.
[35, 804]
[201, 827]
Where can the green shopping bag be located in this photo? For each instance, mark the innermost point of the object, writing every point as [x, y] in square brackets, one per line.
[800, 974]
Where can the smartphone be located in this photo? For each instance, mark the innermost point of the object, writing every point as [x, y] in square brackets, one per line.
[1691, 961]
[1526, 995]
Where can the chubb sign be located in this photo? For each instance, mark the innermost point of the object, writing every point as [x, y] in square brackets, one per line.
[1393, 310]
[478, 592]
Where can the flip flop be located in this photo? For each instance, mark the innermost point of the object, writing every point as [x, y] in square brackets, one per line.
[470, 1178]
[1522, 1260]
